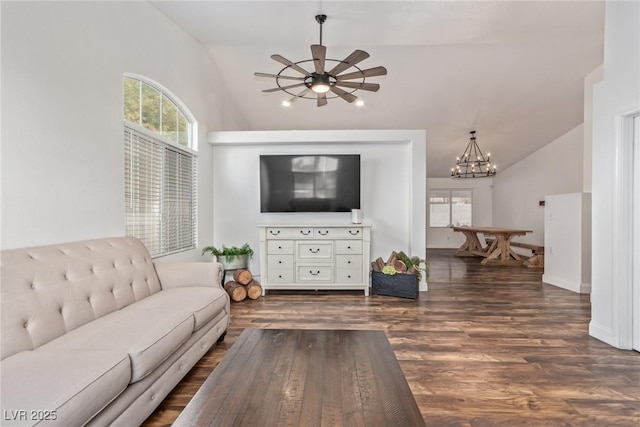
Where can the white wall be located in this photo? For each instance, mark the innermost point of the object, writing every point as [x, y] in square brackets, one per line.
[590, 80]
[62, 144]
[482, 209]
[615, 99]
[393, 169]
[567, 241]
[556, 168]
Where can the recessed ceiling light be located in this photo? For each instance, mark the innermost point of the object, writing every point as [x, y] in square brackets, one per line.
[359, 102]
[286, 104]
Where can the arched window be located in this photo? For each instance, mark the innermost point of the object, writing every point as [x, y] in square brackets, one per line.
[160, 168]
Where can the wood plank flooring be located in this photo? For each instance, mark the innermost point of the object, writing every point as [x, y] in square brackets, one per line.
[486, 346]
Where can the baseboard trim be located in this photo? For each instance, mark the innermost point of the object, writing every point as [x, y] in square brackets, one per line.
[579, 288]
[601, 333]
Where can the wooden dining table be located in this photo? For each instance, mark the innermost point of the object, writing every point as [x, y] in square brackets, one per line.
[498, 252]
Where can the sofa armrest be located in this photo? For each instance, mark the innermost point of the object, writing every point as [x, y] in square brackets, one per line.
[177, 274]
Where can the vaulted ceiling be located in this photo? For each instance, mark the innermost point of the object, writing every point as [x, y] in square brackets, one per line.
[511, 70]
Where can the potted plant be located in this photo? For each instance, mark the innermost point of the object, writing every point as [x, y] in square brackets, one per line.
[231, 258]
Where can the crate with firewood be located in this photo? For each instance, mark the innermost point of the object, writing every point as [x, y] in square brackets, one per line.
[243, 286]
[399, 276]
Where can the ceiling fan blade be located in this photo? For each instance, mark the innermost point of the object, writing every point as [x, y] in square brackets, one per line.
[351, 60]
[275, 89]
[342, 94]
[300, 95]
[322, 99]
[373, 87]
[281, 59]
[369, 72]
[275, 76]
[318, 53]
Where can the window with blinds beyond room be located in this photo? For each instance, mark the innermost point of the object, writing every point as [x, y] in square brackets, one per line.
[160, 168]
[450, 207]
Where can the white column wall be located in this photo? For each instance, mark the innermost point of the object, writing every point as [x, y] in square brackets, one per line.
[616, 96]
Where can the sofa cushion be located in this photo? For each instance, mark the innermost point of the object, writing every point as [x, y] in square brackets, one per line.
[67, 388]
[204, 302]
[48, 291]
[148, 335]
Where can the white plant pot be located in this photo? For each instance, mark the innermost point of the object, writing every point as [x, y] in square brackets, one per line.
[235, 263]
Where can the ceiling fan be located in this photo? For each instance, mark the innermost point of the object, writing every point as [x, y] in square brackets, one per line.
[321, 82]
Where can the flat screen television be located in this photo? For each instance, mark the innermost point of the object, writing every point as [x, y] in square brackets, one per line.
[309, 183]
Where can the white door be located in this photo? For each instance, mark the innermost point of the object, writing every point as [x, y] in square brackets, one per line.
[636, 235]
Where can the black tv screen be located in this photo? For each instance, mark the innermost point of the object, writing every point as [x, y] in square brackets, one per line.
[309, 183]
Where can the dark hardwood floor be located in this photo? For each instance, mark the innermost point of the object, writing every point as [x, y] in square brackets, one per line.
[486, 346]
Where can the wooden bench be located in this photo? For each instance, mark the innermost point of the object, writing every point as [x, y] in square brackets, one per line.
[536, 260]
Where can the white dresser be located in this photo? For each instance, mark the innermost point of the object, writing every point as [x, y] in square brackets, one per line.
[315, 257]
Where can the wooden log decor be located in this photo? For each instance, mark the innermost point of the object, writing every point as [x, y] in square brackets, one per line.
[244, 277]
[236, 291]
[378, 264]
[254, 290]
[399, 266]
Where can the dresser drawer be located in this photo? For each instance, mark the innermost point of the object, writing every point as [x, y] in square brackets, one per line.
[338, 232]
[351, 275]
[289, 233]
[348, 262]
[348, 247]
[280, 247]
[314, 273]
[317, 251]
[280, 261]
[280, 276]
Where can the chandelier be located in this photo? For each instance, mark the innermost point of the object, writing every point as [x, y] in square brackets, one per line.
[472, 163]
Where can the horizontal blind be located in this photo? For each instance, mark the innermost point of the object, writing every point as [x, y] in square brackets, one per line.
[160, 194]
[439, 208]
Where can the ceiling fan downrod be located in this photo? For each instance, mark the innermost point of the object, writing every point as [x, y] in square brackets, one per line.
[320, 20]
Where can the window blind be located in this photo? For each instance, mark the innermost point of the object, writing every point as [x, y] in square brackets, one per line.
[450, 207]
[160, 194]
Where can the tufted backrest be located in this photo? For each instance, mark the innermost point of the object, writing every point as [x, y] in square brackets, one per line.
[50, 290]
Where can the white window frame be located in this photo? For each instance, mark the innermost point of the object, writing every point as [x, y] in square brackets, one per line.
[159, 241]
[192, 129]
[450, 192]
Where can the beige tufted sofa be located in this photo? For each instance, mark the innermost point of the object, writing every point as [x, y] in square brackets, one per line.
[96, 333]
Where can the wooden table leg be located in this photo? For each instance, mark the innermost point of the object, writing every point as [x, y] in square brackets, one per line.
[472, 246]
[502, 254]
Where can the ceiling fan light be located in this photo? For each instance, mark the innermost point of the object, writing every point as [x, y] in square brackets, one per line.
[320, 87]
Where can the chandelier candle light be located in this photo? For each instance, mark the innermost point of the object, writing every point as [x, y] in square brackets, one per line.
[472, 163]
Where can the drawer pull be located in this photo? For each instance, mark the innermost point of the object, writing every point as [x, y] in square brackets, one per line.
[323, 233]
[274, 233]
[279, 247]
[348, 247]
[348, 276]
[314, 251]
[279, 262]
[305, 233]
[348, 262]
[354, 233]
[314, 274]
